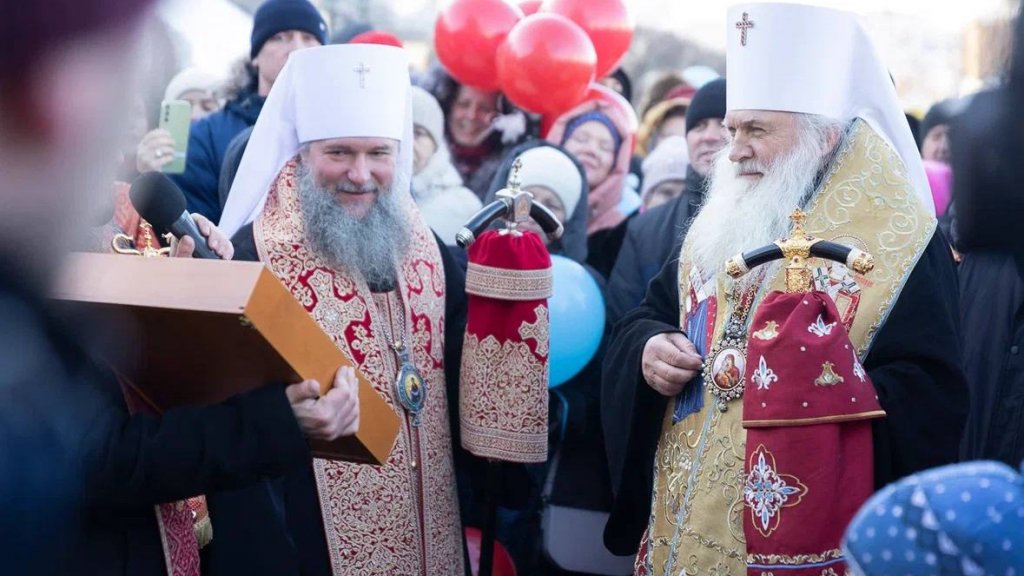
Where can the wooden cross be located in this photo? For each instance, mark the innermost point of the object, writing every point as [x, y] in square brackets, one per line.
[743, 26]
[362, 71]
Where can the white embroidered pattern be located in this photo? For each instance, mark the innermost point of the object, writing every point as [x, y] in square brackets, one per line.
[819, 328]
[858, 369]
[764, 376]
[767, 492]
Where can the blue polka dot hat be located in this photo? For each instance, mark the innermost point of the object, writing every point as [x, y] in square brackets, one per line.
[963, 519]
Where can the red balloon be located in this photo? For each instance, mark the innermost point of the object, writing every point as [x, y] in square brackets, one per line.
[530, 6]
[467, 35]
[377, 37]
[546, 64]
[607, 22]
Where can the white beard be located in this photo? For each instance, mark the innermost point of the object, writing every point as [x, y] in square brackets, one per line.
[738, 215]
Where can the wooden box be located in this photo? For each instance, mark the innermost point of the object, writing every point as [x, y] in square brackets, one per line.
[202, 331]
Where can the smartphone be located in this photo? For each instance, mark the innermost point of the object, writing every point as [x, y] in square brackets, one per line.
[176, 118]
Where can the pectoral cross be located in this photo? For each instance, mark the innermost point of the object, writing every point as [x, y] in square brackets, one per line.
[362, 71]
[744, 25]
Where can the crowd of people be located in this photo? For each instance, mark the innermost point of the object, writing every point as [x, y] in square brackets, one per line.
[680, 448]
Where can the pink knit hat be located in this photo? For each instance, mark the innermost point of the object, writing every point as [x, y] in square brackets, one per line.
[940, 178]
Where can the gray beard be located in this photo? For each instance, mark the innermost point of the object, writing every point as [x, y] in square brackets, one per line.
[737, 217]
[371, 245]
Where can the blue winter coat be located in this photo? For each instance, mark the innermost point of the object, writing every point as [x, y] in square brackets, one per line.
[207, 144]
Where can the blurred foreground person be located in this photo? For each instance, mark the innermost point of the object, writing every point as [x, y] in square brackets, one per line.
[962, 519]
[86, 486]
[987, 140]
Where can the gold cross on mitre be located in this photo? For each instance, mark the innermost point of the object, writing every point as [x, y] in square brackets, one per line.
[744, 25]
[363, 70]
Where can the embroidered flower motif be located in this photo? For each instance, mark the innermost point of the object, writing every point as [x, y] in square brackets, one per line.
[828, 376]
[769, 332]
[858, 369]
[766, 492]
[819, 328]
[763, 376]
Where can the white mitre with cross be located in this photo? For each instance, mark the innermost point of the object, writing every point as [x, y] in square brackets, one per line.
[798, 58]
[337, 91]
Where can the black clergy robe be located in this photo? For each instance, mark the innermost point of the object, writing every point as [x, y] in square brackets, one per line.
[275, 528]
[915, 364]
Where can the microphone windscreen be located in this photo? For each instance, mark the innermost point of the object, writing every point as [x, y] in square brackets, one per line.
[157, 199]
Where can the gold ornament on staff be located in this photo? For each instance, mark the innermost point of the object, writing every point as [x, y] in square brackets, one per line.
[797, 249]
[521, 200]
[123, 244]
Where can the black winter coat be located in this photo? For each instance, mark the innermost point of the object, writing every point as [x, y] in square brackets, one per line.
[79, 476]
[652, 239]
[992, 315]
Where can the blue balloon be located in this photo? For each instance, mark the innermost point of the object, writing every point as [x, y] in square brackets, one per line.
[576, 309]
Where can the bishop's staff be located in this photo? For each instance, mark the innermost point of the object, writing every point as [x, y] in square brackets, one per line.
[808, 401]
[503, 396]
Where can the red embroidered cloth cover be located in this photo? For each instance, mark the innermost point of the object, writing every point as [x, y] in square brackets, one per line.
[503, 394]
[809, 460]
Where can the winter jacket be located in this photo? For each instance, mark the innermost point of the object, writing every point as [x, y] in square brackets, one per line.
[207, 145]
[445, 204]
[992, 317]
[651, 239]
[81, 476]
[232, 160]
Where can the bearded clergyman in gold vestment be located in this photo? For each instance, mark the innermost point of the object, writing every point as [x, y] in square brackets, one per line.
[815, 124]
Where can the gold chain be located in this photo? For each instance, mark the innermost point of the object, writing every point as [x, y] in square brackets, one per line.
[397, 345]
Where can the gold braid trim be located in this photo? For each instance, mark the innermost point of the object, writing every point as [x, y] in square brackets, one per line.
[504, 284]
[833, 554]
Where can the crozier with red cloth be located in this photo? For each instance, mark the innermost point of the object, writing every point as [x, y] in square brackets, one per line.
[503, 395]
[807, 410]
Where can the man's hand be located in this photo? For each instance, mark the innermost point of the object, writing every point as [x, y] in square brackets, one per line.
[669, 361]
[215, 239]
[331, 416]
[154, 151]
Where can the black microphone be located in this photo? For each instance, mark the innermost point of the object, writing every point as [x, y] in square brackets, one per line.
[162, 204]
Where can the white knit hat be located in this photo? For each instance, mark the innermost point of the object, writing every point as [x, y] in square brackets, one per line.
[668, 161]
[551, 168]
[426, 112]
[192, 79]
